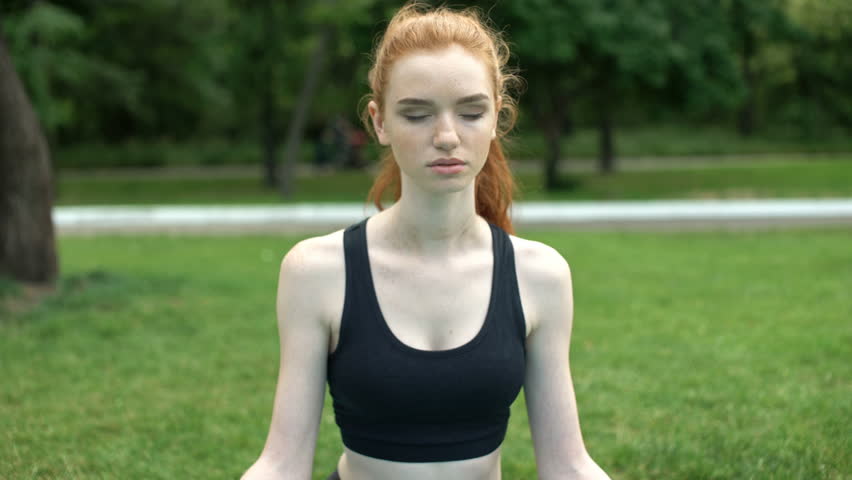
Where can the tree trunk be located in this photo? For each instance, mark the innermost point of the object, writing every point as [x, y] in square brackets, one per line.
[745, 121]
[269, 138]
[804, 92]
[568, 122]
[550, 109]
[268, 114]
[606, 157]
[554, 151]
[296, 129]
[27, 243]
[745, 116]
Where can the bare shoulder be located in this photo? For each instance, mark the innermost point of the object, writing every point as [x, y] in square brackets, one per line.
[544, 277]
[539, 262]
[315, 256]
[314, 270]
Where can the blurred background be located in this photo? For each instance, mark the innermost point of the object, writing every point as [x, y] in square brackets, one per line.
[712, 354]
[275, 85]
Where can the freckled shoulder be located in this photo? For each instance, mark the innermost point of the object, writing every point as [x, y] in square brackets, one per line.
[322, 261]
[541, 272]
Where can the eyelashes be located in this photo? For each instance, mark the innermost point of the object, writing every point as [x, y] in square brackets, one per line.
[419, 118]
[415, 118]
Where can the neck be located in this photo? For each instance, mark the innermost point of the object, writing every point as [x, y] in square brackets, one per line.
[434, 225]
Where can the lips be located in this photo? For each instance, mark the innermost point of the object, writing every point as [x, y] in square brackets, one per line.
[446, 162]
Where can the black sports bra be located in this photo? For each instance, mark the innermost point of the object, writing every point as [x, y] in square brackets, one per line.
[399, 403]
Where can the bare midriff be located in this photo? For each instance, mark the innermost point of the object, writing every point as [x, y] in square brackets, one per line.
[354, 466]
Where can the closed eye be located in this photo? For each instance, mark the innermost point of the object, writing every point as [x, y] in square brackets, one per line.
[466, 116]
[415, 118]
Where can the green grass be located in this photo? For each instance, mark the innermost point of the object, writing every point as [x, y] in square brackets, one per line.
[7, 287]
[804, 179]
[796, 178]
[340, 187]
[172, 154]
[694, 356]
[687, 140]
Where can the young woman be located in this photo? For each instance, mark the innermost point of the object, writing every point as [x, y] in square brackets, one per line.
[427, 318]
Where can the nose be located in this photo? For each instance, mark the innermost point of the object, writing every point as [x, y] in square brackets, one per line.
[446, 137]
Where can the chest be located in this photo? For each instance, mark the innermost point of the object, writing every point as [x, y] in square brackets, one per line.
[433, 306]
[430, 344]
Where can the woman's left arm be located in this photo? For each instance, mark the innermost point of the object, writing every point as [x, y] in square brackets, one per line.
[548, 389]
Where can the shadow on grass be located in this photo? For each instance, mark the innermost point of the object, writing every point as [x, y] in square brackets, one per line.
[564, 183]
[95, 290]
[8, 287]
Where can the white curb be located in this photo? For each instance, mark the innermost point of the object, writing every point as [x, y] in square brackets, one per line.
[524, 214]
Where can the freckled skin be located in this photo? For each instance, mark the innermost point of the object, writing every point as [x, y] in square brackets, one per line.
[419, 134]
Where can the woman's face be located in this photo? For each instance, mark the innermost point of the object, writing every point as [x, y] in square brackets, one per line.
[439, 109]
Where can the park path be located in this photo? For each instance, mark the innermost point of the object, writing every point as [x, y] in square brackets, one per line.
[648, 215]
[606, 215]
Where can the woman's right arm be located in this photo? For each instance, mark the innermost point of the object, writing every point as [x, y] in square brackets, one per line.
[304, 338]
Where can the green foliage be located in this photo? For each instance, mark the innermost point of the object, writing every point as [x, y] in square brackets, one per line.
[179, 51]
[47, 43]
[156, 154]
[165, 70]
[355, 26]
[699, 358]
[652, 53]
[268, 46]
[703, 75]
[822, 66]
[828, 18]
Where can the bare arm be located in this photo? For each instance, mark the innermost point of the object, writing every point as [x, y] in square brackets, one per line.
[289, 450]
[548, 389]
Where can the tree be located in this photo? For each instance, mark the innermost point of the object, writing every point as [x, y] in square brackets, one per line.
[605, 52]
[69, 83]
[754, 26]
[27, 244]
[547, 71]
[298, 118]
[342, 31]
[822, 64]
[262, 70]
[703, 79]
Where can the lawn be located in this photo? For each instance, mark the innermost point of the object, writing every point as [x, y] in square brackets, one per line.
[714, 355]
[796, 177]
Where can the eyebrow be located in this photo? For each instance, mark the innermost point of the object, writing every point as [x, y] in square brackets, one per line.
[419, 101]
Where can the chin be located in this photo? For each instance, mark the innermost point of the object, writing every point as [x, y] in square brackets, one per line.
[452, 185]
[441, 185]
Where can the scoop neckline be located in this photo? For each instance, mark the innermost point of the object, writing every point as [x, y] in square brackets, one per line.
[480, 335]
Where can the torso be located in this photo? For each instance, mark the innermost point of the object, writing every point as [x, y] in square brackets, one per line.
[414, 298]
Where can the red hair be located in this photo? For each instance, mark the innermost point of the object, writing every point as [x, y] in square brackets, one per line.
[416, 27]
